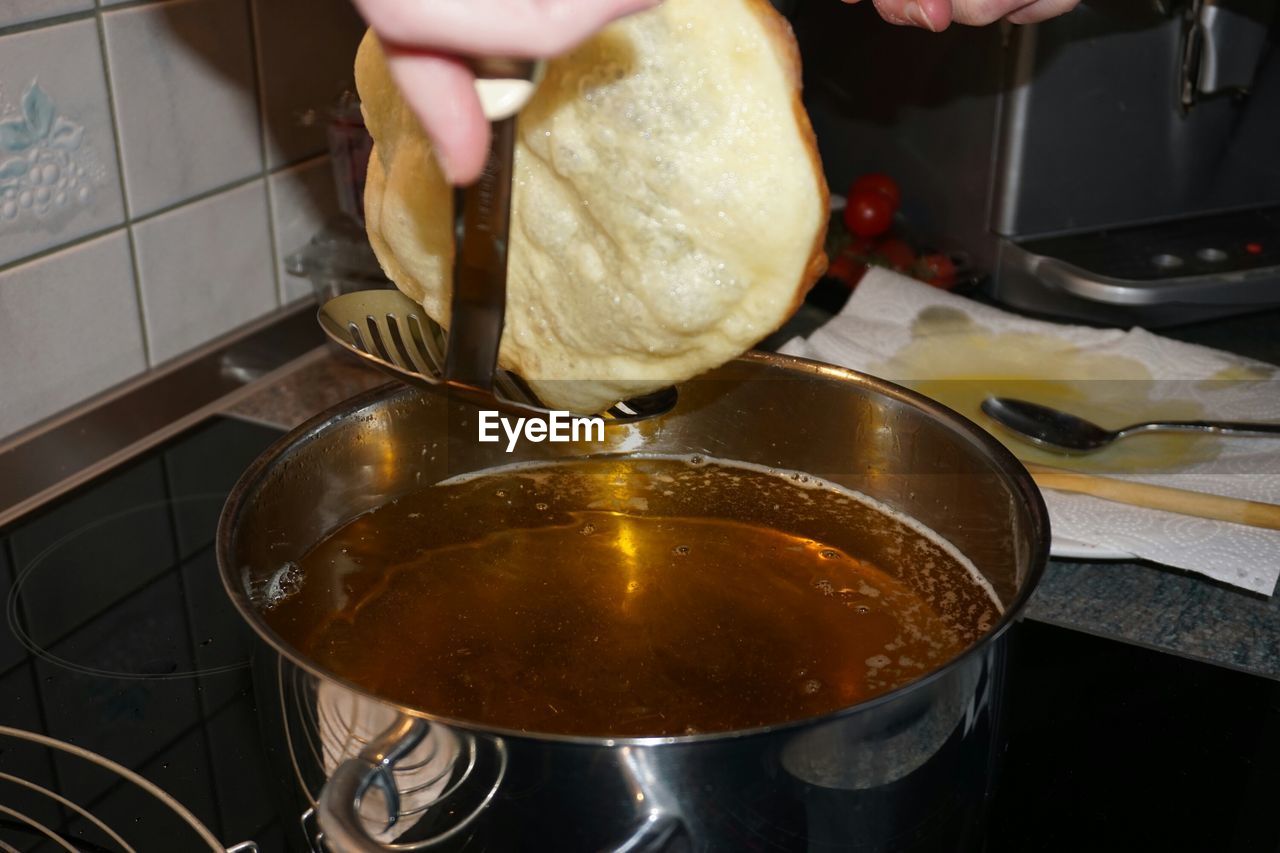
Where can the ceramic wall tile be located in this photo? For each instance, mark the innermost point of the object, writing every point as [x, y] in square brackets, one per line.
[165, 134]
[186, 101]
[58, 174]
[25, 11]
[303, 72]
[205, 268]
[303, 198]
[68, 329]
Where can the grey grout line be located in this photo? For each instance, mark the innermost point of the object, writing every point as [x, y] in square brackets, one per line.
[41, 23]
[143, 326]
[141, 294]
[70, 244]
[128, 223]
[128, 4]
[109, 82]
[53, 20]
[200, 196]
[260, 90]
[276, 261]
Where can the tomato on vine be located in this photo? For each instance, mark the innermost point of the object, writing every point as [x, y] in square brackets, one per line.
[880, 183]
[868, 213]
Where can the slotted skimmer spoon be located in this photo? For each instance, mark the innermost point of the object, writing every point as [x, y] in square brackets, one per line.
[392, 332]
[1058, 430]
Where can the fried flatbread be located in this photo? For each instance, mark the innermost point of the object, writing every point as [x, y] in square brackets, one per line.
[668, 210]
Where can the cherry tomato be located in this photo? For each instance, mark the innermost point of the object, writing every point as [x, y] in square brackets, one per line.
[936, 269]
[847, 270]
[880, 183]
[895, 254]
[868, 214]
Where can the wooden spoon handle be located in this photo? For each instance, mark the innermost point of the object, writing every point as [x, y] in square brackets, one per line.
[1184, 501]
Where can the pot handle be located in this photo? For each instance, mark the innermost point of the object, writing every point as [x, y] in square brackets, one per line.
[338, 809]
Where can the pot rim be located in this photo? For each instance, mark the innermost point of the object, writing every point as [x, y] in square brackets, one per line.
[1005, 462]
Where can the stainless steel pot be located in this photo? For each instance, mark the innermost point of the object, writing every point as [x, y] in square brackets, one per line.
[909, 770]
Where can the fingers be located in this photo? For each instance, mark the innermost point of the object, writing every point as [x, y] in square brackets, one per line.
[441, 92]
[934, 15]
[420, 36]
[526, 28]
[983, 12]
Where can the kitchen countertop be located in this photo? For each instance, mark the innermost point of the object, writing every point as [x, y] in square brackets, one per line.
[1167, 608]
[1139, 602]
[322, 378]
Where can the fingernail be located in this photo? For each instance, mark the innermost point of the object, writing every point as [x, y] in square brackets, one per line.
[916, 14]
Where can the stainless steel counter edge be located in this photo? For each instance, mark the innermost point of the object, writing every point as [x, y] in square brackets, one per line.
[62, 452]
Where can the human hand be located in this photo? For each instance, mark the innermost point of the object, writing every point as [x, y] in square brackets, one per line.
[937, 15]
[424, 40]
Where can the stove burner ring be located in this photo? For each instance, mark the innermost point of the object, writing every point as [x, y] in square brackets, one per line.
[29, 643]
[175, 807]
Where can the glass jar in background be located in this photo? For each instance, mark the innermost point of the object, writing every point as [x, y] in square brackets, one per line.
[339, 258]
[349, 147]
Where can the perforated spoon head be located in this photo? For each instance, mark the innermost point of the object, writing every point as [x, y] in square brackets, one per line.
[393, 333]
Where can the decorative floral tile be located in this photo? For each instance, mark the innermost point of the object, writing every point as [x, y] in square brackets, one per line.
[58, 175]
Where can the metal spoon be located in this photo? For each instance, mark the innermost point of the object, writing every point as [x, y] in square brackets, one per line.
[1065, 432]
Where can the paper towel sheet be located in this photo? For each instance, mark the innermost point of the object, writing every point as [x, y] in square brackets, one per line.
[877, 324]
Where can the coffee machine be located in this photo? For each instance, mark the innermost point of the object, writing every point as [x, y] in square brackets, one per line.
[1118, 165]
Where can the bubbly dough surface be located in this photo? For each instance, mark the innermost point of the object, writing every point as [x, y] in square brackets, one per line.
[669, 205]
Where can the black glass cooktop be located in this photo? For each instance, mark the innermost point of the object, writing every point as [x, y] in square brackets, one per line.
[119, 640]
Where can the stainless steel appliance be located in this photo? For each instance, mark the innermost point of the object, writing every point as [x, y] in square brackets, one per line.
[909, 770]
[1117, 164]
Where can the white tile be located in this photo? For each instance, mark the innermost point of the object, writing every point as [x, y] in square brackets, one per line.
[58, 175]
[25, 11]
[303, 198]
[186, 101]
[205, 268]
[303, 71]
[68, 329]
